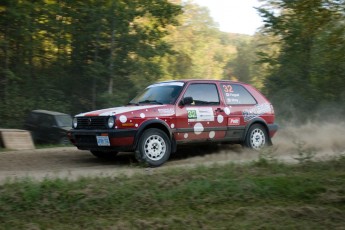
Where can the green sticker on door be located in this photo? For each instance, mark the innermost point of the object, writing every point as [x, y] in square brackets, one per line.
[200, 114]
[192, 114]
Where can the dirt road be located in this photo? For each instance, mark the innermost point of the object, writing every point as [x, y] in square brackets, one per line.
[323, 141]
[72, 163]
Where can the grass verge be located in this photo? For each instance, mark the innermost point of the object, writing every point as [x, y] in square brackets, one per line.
[258, 195]
[47, 146]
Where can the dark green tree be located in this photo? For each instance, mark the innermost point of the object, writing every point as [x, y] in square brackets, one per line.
[200, 49]
[73, 56]
[300, 79]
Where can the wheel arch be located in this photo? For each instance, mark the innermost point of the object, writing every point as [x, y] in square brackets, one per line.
[259, 121]
[158, 124]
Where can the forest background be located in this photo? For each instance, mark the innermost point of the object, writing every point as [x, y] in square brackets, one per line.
[75, 56]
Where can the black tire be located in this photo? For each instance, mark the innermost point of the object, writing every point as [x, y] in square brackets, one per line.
[104, 155]
[257, 137]
[154, 147]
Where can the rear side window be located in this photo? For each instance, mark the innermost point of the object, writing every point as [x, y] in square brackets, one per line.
[203, 94]
[235, 94]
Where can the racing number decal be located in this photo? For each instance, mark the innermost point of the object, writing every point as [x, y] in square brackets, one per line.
[228, 89]
[192, 114]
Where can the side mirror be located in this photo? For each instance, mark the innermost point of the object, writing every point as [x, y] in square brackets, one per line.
[187, 101]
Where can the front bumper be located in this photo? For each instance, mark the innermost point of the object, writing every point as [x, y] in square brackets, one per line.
[120, 140]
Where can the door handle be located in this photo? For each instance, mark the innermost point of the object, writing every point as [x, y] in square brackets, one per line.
[218, 110]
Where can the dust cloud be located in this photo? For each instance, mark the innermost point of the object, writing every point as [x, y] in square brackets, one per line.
[313, 140]
[324, 139]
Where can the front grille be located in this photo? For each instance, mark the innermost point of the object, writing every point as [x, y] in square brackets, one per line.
[92, 122]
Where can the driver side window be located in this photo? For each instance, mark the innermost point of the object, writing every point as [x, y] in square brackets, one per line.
[203, 94]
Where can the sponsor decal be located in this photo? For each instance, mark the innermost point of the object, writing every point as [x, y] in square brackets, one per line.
[200, 114]
[118, 110]
[177, 83]
[256, 111]
[232, 101]
[234, 94]
[166, 112]
[230, 96]
[234, 121]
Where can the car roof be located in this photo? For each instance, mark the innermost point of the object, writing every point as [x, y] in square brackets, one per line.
[48, 112]
[203, 80]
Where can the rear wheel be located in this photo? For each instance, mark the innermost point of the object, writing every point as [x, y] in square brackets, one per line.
[154, 147]
[104, 155]
[257, 137]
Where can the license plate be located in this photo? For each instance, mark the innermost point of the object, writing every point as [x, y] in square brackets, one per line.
[103, 141]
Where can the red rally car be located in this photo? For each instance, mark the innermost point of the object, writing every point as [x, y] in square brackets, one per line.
[170, 113]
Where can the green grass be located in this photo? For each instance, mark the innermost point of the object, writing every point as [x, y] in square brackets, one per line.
[259, 195]
[2, 149]
[47, 146]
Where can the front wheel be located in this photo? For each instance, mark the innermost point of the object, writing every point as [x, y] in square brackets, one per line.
[257, 137]
[154, 147]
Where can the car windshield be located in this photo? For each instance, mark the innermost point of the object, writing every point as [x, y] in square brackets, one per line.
[64, 120]
[161, 93]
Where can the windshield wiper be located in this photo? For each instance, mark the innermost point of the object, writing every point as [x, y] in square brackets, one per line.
[150, 102]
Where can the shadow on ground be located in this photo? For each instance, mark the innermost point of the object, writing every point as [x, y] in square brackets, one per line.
[183, 153]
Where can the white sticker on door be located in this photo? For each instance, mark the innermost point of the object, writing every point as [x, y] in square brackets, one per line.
[200, 114]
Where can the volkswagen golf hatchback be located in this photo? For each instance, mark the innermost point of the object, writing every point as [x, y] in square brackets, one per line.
[172, 113]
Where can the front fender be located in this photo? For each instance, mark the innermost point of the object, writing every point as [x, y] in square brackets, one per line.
[153, 123]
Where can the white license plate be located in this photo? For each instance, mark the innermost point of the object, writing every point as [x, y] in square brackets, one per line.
[103, 141]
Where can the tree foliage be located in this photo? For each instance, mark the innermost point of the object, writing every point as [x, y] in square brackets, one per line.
[73, 56]
[309, 71]
[201, 51]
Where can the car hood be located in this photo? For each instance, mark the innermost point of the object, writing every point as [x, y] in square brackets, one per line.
[125, 109]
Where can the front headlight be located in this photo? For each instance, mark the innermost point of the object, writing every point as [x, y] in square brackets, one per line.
[111, 122]
[75, 122]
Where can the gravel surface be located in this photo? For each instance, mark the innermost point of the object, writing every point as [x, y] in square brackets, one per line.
[322, 141]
